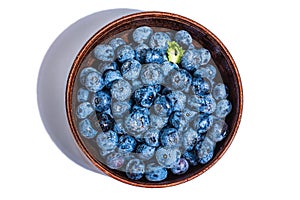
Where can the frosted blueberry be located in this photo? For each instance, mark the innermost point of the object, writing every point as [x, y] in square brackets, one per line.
[223, 108]
[137, 108]
[101, 101]
[137, 122]
[94, 82]
[211, 72]
[158, 121]
[191, 60]
[190, 139]
[180, 167]
[155, 172]
[120, 108]
[145, 96]
[104, 52]
[111, 76]
[178, 121]
[116, 42]
[168, 66]
[141, 53]
[145, 152]
[126, 144]
[202, 123]
[188, 114]
[220, 91]
[201, 86]
[151, 137]
[131, 69]
[205, 104]
[180, 80]
[107, 140]
[191, 157]
[125, 52]
[205, 56]
[120, 90]
[135, 169]
[167, 157]
[82, 95]
[84, 73]
[84, 110]
[151, 74]
[169, 137]
[155, 55]
[177, 100]
[218, 131]
[103, 67]
[119, 127]
[206, 150]
[115, 160]
[86, 130]
[160, 40]
[183, 38]
[106, 121]
[162, 106]
[142, 34]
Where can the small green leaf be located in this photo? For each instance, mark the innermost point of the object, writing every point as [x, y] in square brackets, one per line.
[175, 52]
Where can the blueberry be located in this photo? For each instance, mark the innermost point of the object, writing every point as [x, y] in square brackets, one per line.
[131, 69]
[158, 121]
[151, 137]
[141, 52]
[125, 52]
[137, 122]
[155, 172]
[177, 121]
[167, 157]
[162, 106]
[126, 144]
[84, 110]
[160, 40]
[120, 108]
[191, 157]
[211, 72]
[142, 34]
[201, 86]
[101, 101]
[104, 52]
[143, 110]
[169, 137]
[135, 169]
[183, 38]
[191, 60]
[202, 123]
[188, 114]
[205, 104]
[119, 127]
[206, 151]
[115, 160]
[82, 95]
[220, 91]
[223, 108]
[136, 84]
[86, 130]
[177, 100]
[107, 66]
[145, 152]
[155, 55]
[107, 140]
[151, 74]
[180, 80]
[218, 131]
[190, 139]
[180, 167]
[110, 76]
[205, 56]
[116, 42]
[94, 82]
[106, 121]
[145, 96]
[84, 73]
[168, 66]
[120, 90]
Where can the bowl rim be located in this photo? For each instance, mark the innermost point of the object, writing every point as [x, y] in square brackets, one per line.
[86, 49]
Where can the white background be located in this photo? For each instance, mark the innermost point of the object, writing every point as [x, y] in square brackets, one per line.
[262, 162]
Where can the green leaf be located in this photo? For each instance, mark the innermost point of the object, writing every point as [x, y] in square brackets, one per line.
[175, 52]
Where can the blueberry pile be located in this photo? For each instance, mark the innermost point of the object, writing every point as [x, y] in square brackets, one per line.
[154, 106]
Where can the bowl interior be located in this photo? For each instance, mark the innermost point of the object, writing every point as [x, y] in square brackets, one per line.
[161, 21]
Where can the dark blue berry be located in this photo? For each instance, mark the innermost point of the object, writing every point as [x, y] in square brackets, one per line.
[191, 157]
[145, 96]
[190, 139]
[204, 55]
[191, 60]
[177, 100]
[160, 40]
[155, 172]
[169, 137]
[156, 55]
[151, 137]
[205, 104]
[202, 123]
[131, 69]
[141, 53]
[111, 76]
[145, 152]
[168, 66]
[101, 101]
[126, 144]
[201, 86]
[137, 122]
[107, 66]
[180, 167]
[125, 52]
[106, 121]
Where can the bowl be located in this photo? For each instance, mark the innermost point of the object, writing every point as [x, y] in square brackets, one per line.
[108, 138]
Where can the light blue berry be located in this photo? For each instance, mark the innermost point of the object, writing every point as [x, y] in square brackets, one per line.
[151, 74]
[104, 52]
[125, 52]
[84, 73]
[168, 66]
[137, 122]
[162, 106]
[135, 169]
[218, 131]
[155, 172]
[145, 152]
[82, 95]
[131, 69]
[191, 60]
[86, 130]
[160, 40]
[120, 90]
[180, 167]
[202, 123]
[190, 139]
[84, 110]
[107, 140]
[188, 114]
[205, 104]
[177, 100]
[120, 108]
[142, 34]
[94, 82]
[183, 38]
[158, 121]
[167, 157]
[115, 160]
[206, 151]
[116, 42]
[223, 108]
[205, 56]
[220, 91]
[178, 121]
[101, 101]
[151, 137]
[180, 80]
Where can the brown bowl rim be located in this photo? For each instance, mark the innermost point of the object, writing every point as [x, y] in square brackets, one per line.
[86, 48]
